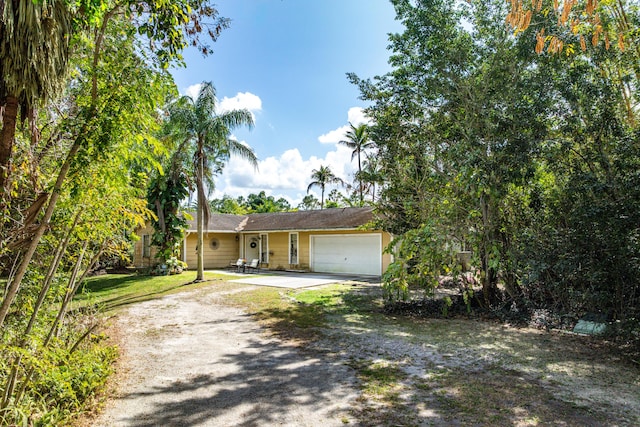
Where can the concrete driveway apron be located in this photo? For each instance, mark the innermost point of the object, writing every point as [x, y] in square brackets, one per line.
[293, 281]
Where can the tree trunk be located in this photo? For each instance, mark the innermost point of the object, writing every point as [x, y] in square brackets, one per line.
[199, 219]
[360, 179]
[7, 137]
[74, 283]
[14, 285]
[62, 247]
[488, 276]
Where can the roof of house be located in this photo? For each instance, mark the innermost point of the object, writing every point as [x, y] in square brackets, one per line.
[325, 219]
[224, 223]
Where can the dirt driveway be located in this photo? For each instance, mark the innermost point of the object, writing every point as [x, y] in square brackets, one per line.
[192, 361]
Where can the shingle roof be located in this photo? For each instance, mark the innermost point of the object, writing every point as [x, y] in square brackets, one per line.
[325, 219]
[219, 223]
[337, 218]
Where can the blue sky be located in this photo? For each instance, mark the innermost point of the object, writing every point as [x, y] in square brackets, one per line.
[286, 61]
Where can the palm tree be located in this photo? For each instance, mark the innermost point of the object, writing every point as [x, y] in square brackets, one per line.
[206, 134]
[34, 52]
[322, 177]
[371, 174]
[358, 141]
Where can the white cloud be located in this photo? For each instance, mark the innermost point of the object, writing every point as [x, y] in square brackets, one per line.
[334, 136]
[245, 100]
[355, 116]
[193, 90]
[288, 174]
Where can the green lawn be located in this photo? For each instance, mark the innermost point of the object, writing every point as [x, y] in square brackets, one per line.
[113, 291]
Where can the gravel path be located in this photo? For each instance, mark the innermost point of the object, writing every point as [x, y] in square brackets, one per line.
[191, 361]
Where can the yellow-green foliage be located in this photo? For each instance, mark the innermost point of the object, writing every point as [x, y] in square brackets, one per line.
[55, 385]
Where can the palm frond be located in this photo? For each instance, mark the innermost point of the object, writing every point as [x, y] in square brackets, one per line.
[34, 49]
[235, 118]
[242, 151]
[205, 104]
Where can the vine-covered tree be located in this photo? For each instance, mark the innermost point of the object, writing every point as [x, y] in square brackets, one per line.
[165, 194]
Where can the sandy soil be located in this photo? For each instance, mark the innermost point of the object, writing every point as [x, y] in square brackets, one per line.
[191, 361]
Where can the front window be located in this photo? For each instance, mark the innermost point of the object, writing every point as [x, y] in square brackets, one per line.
[264, 249]
[293, 248]
[146, 246]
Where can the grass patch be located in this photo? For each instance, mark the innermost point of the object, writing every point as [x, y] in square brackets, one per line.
[298, 313]
[502, 397]
[280, 311]
[380, 380]
[381, 402]
[113, 291]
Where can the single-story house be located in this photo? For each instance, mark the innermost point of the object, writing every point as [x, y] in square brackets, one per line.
[327, 240]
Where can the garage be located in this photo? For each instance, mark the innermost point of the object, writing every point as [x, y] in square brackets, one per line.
[346, 253]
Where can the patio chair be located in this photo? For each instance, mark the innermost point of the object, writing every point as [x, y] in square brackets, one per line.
[254, 265]
[239, 264]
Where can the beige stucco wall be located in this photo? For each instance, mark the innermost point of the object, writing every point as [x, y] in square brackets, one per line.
[138, 260]
[228, 250]
[278, 250]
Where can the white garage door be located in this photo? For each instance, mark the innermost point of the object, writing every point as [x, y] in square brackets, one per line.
[350, 253]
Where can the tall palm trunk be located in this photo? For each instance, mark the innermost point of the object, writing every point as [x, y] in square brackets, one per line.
[200, 218]
[7, 137]
[360, 179]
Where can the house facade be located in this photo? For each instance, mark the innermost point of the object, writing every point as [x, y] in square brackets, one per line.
[328, 241]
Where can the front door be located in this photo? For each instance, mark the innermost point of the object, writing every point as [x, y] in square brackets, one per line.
[251, 247]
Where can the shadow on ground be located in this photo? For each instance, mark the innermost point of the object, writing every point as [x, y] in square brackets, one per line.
[266, 384]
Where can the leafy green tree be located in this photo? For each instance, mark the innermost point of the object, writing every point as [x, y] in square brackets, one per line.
[229, 205]
[371, 174]
[84, 161]
[321, 178]
[205, 133]
[458, 124]
[100, 106]
[337, 199]
[581, 246]
[357, 139]
[594, 29]
[253, 203]
[34, 47]
[262, 203]
[282, 205]
[308, 203]
[165, 195]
